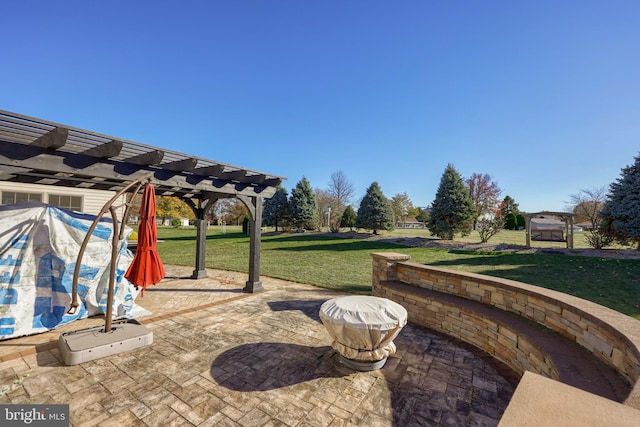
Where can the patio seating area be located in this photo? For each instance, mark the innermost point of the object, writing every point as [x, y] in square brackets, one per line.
[224, 357]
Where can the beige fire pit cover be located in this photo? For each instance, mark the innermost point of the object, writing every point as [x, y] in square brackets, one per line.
[363, 327]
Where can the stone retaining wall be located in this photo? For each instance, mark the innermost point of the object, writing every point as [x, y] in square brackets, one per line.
[611, 336]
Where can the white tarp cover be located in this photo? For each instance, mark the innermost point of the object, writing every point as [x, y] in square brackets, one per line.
[363, 327]
[39, 246]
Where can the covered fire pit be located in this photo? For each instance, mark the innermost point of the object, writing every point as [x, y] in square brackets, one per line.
[363, 329]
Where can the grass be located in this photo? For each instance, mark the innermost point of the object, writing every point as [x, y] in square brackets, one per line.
[342, 263]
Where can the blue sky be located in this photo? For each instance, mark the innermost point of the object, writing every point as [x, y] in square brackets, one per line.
[544, 96]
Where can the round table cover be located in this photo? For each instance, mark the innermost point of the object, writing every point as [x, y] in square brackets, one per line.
[363, 327]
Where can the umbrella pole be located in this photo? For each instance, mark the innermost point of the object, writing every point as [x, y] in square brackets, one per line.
[112, 269]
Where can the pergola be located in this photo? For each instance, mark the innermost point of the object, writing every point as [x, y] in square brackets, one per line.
[565, 216]
[41, 152]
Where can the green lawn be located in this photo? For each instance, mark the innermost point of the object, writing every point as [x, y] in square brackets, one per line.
[342, 263]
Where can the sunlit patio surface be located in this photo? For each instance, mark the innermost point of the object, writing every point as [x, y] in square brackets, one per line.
[223, 357]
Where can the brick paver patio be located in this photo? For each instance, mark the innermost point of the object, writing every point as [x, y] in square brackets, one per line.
[221, 357]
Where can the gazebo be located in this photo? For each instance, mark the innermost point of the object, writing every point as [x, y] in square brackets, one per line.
[41, 152]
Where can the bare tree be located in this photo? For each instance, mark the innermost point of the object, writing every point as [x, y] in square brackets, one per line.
[484, 193]
[230, 211]
[334, 200]
[587, 204]
[340, 188]
[489, 227]
[325, 202]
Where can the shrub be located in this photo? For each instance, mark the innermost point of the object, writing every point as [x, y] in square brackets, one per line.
[599, 239]
[487, 228]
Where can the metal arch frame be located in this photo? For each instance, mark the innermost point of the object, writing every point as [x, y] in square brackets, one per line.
[118, 236]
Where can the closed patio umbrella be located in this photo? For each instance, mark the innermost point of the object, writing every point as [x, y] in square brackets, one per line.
[146, 268]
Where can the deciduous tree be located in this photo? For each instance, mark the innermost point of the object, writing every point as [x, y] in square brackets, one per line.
[168, 207]
[484, 193]
[340, 188]
[423, 215]
[339, 195]
[230, 211]
[587, 204]
[402, 206]
[489, 227]
[452, 211]
[328, 210]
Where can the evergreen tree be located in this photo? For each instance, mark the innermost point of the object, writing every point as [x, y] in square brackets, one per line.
[303, 207]
[507, 206]
[510, 213]
[375, 211]
[452, 211]
[276, 209]
[348, 218]
[621, 212]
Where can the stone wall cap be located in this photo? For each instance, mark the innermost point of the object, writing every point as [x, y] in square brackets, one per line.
[391, 255]
[540, 401]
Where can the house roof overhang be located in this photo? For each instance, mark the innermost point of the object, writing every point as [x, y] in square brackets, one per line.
[41, 152]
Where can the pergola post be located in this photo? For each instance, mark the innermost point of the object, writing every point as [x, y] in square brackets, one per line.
[254, 204]
[570, 233]
[200, 212]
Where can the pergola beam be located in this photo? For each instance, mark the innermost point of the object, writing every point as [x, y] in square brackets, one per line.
[40, 159]
[235, 175]
[214, 170]
[184, 165]
[105, 151]
[153, 157]
[55, 138]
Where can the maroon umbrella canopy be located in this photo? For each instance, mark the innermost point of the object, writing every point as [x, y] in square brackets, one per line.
[146, 268]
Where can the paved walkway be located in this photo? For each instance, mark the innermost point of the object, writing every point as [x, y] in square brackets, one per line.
[221, 357]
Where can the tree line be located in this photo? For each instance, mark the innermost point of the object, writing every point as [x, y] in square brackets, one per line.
[460, 206]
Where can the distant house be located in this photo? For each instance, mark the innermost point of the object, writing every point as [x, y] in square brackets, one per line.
[74, 198]
[184, 222]
[410, 223]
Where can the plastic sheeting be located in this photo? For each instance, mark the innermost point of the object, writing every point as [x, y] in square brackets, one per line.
[363, 327]
[39, 246]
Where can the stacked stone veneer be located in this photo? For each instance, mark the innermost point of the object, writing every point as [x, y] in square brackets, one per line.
[611, 336]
